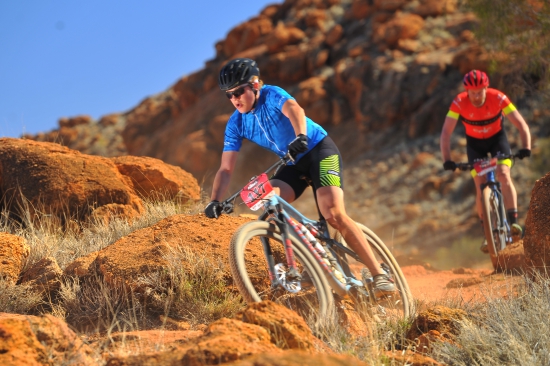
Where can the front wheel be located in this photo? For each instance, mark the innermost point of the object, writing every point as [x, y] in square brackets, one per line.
[495, 232]
[393, 307]
[257, 255]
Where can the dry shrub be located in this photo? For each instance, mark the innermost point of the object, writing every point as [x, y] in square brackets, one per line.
[19, 299]
[90, 304]
[511, 331]
[198, 295]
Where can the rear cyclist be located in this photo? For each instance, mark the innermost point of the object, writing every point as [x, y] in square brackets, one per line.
[482, 110]
[268, 116]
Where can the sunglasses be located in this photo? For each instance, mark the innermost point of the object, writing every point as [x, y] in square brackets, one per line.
[237, 93]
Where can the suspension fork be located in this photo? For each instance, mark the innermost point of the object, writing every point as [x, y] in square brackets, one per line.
[293, 273]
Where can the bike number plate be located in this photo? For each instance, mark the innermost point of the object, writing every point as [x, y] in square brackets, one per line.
[256, 191]
[485, 166]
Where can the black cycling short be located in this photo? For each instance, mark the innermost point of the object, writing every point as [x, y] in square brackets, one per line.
[495, 145]
[322, 166]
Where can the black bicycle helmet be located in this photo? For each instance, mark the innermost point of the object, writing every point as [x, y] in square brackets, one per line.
[237, 72]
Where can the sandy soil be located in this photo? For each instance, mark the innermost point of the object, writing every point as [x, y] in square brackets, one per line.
[461, 284]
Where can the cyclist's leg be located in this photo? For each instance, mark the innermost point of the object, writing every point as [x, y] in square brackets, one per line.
[287, 183]
[325, 173]
[477, 149]
[509, 194]
[501, 146]
[507, 187]
[330, 200]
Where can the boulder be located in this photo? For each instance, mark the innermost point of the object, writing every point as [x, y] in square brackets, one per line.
[41, 178]
[439, 318]
[246, 35]
[282, 36]
[288, 330]
[435, 8]
[14, 251]
[402, 26]
[44, 340]
[145, 251]
[536, 242]
[153, 179]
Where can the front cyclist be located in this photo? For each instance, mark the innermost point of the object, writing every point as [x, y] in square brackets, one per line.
[268, 116]
[482, 110]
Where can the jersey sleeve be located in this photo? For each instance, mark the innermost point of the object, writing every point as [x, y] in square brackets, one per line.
[505, 104]
[277, 97]
[233, 138]
[454, 109]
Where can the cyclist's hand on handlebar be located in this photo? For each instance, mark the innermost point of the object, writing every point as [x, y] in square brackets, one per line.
[449, 165]
[213, 210]
[524, 153]
[298, 145]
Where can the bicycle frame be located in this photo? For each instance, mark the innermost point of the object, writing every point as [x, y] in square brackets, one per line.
[494, 185]
[277, 210]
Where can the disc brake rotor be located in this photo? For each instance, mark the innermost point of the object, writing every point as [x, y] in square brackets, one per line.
[293, 286]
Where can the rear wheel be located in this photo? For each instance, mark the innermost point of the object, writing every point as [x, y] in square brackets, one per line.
[495, 232]
[395, 307]
[310, 296]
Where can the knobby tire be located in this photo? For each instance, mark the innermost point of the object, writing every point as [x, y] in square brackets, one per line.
[312, 310]
[383, 253]
[492, 222]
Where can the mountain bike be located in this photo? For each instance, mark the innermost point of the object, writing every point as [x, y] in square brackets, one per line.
[295, 261]
[495, 225]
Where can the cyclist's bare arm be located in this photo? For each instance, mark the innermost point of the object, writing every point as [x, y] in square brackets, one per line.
[517, 120]
[292, 110]
[223, 176]
[445, 140]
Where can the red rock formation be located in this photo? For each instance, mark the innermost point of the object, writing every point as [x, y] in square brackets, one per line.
[45, 340]
[14, 251]
[38, 178]
[153, 179]
[144, 251]
[536, 242]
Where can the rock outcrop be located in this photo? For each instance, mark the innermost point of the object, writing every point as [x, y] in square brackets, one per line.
[40, 179]
[44, 340]
[14, 251]
[536, 242]
[147, 251]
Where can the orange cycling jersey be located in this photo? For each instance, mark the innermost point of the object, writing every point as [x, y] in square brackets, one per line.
[485, 121]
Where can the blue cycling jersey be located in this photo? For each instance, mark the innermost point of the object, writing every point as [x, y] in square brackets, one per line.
[267, 126]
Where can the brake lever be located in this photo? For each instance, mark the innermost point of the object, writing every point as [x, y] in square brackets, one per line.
[228, 207]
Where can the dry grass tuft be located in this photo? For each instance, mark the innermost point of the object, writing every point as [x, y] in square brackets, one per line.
[512, 331]
[19, 299]
[195, 292]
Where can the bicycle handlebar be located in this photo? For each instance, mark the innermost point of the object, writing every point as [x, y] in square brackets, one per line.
[470, 166]
[228, 205]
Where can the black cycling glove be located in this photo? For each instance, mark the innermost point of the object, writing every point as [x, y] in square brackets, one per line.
[298, 145]
[213, 210]
[524, 153]
[449, 165]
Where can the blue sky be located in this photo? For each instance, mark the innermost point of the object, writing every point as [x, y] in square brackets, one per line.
[66, 57]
